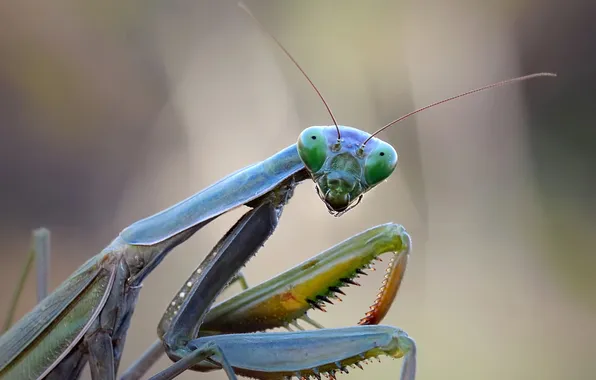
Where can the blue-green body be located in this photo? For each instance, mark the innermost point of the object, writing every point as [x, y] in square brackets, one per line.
[102, 295]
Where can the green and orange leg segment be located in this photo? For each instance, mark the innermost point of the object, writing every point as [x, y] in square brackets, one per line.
[284, 299]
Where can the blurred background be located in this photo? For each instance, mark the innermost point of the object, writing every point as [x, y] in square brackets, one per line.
[111, 111]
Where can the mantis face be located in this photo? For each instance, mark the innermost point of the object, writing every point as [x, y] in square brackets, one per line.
[343, 170]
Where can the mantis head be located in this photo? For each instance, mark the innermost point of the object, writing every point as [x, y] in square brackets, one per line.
[343, 169]
[345, 162]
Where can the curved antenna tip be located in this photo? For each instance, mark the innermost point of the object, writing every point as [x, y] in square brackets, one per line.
[497, 84]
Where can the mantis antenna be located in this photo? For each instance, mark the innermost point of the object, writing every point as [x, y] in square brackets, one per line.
[498, 84]
[287, 53]
[245, 8]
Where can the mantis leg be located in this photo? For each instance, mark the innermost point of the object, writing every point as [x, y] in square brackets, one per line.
[155, 351]
[231, 252]
[241, 280]
[182, 321]
[294, 292]
[315, 284]
[301, 354]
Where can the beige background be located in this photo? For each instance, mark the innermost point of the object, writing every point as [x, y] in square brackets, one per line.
[134, 107]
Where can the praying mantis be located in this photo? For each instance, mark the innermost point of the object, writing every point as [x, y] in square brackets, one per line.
[86, 318]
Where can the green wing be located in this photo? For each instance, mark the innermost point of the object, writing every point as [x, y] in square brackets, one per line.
[42, 337]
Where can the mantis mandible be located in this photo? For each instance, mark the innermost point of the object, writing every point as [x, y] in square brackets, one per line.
[86, 318]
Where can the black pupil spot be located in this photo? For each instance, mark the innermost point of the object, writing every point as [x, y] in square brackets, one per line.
[382, 154]
[313, 137]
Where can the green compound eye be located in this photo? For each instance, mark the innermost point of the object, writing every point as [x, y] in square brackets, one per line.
[312, 148]
[380, 163]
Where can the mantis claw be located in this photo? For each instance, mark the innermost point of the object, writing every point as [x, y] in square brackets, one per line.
[281, 301]
[311, 285]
